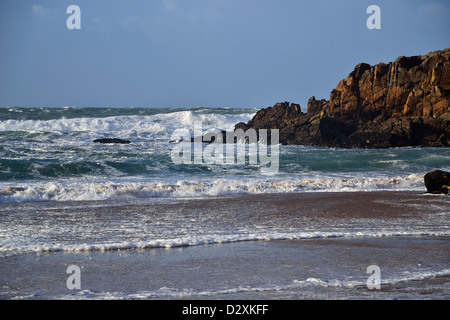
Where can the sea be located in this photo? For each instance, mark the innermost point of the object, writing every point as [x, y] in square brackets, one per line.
[66, 200]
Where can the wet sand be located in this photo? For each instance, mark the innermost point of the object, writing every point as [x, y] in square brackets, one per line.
[281, 269]
[412, 267]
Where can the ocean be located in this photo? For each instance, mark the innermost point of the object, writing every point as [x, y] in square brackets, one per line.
[128, 212]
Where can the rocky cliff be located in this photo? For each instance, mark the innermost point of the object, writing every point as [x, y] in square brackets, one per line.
[401, 103]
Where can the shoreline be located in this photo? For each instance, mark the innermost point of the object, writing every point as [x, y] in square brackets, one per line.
[320, 245]
[204, 196]
[312, 206]
[319, 269]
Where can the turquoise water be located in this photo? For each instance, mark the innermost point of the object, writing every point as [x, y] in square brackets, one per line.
[49, 154]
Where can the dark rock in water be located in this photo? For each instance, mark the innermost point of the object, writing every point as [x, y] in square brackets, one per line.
[218, 136]
[112, 140]
[240, 134]
[241, 125]
[401, 103]
[437, 182]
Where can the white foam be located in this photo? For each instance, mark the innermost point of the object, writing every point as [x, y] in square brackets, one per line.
[16, 247]
[309, 283]
[88, 191]
[156, 124]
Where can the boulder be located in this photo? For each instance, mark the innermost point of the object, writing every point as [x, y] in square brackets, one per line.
[437, 182]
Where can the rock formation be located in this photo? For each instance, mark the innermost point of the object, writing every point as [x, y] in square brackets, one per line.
[437, 182]
[401, 103]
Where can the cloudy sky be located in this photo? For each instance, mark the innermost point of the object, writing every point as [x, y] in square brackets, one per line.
[212, 53]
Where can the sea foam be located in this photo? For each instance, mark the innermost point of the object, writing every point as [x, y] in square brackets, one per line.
[88, 190]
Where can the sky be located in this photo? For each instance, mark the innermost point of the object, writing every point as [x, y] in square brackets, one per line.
[209, 53]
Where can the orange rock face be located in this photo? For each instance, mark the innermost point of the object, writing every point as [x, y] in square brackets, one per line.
[401, 103]
[410, 86]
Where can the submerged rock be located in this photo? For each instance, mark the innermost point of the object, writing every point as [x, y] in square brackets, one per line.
[437, 182]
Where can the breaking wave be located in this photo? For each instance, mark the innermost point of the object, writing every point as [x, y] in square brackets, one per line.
[87, 191]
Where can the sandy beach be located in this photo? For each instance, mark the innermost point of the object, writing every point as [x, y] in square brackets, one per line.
[342, 234]
[296, 269]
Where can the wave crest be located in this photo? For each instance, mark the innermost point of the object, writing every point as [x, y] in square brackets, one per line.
[198, 188]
